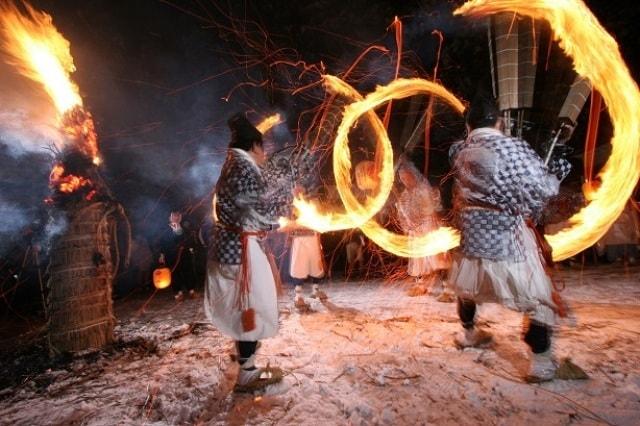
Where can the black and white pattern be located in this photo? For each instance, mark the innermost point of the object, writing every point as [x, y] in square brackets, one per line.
[492, 235]
[244, 201]
[500, 181]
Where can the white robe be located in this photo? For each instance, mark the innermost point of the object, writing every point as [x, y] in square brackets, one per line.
[221, 296]
[417, 210]
[244, 201]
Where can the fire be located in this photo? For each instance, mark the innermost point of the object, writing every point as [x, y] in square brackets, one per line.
[35, 47]
[269, 123]
[308, 214]
[437, 241]
[597, 57]
[66, 183]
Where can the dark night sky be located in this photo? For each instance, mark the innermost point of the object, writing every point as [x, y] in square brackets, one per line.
[154, 74]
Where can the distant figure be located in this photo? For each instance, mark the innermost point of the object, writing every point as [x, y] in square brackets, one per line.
[355, 253]
[418, 207]
[306, 264]
[178, 251]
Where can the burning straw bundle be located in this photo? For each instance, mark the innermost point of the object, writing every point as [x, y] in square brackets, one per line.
[84, 259]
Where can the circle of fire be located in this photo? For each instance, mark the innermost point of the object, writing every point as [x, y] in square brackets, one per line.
[596, 56]
[434, 242]
[358, 215]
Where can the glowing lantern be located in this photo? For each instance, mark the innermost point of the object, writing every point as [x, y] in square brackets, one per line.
[162, 278]
[366, 175]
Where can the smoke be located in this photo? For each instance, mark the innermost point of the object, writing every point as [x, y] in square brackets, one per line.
[12, 217]
[23, 187]
[204, 171]
[27, 133]
[21, 132]
[159, 91]
[55, 226]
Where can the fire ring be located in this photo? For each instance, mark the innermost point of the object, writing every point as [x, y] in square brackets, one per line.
[434, 242]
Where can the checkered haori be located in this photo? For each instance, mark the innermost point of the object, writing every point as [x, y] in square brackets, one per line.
[246, 200]
[500, 182]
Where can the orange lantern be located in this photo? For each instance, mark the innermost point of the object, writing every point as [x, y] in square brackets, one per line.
[366, 175]
[162, 278]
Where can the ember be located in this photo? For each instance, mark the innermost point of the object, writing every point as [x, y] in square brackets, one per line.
[66, 183]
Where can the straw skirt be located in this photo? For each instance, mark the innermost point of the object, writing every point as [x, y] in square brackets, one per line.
[522, 286]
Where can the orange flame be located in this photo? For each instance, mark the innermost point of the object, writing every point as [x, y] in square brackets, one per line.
[597, 57]
[308, 214]
[269, 123]
[357, 214]
[68, 183]
[39, 52]
[434, 242]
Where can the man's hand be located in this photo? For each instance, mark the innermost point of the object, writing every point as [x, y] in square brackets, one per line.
[174, 221]
[566, 131]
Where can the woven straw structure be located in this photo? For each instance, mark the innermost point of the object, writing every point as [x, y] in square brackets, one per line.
[81, 272]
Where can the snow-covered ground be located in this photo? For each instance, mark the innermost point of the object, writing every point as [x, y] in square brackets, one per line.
[371, 355]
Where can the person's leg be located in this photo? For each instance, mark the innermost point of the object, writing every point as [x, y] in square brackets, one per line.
[471, 336]
[246, 358]
[191, 273]
[177, 282]
[447, 295]
[298, 301]
[246, 350]
[537, 336]
[316, 293]
[467, 313]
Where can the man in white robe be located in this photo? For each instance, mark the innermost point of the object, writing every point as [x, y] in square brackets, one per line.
[241, 295]
[500, 184]
[306, 264]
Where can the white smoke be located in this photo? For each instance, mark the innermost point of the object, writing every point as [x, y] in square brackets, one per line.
[204, 171]
[12, 217]
[23, 132]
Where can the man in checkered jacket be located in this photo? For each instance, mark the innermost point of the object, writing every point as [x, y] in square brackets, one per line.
[500, 185]
[240, 279]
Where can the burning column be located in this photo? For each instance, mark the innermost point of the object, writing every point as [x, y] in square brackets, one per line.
[84, 257]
